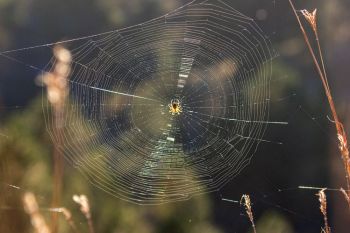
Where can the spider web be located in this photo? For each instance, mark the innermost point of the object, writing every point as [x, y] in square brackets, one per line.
[118, 131]
[117, 127]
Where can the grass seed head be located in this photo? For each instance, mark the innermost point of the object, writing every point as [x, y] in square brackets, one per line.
[311, 18]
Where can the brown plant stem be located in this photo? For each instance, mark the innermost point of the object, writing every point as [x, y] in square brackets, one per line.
[341, 134]
[57, 92]
[57, 176]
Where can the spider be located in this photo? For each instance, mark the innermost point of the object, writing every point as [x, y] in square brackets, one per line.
[175, 107]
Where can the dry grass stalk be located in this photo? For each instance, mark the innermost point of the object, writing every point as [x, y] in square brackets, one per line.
[32, 209]
[346, 195]
[68, 217]
[323, 207]
[248, 209]
[83, 201]
[57, 92]
[319, 63]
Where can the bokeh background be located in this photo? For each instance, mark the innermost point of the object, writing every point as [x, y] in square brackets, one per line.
[307, 156]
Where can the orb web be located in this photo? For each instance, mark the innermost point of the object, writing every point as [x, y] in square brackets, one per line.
[118, 128]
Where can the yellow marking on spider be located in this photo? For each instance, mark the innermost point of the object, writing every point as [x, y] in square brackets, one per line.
[175, 107]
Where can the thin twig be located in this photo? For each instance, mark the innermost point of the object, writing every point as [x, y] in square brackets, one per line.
[83, 201]
[346, 196]
[67, 216]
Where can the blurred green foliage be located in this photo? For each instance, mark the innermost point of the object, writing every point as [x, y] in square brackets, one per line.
[27, 163]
